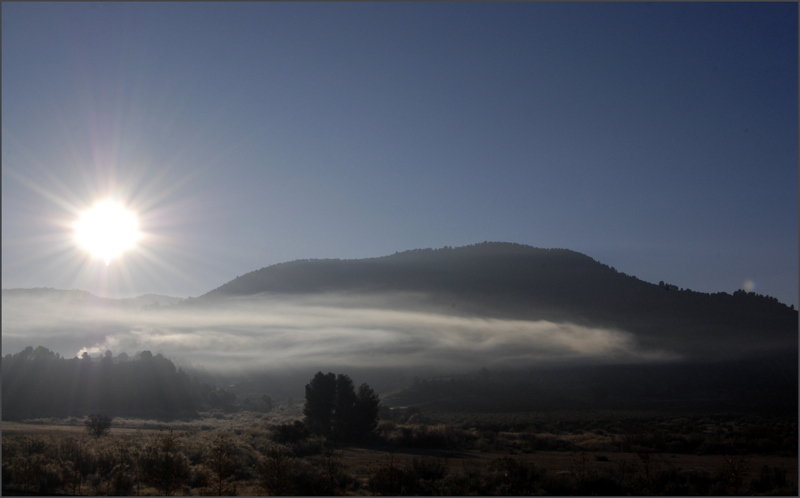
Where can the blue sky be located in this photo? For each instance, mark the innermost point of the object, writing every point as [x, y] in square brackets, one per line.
[658, 138]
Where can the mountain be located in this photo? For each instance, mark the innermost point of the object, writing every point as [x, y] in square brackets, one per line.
[73, 296]
[555, 329]
[479, 269]
[506, 280]
[83, 298]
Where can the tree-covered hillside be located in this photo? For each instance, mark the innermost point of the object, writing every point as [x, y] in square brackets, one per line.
[508, 280]
[40, 383]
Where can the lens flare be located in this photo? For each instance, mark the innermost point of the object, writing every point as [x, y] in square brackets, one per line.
[107, 230]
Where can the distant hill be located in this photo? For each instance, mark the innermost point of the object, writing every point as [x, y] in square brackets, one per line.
[509, 280]
[430, 307]
[80, 297]
[479, 269]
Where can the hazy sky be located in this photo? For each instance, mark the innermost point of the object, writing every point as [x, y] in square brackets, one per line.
[659, 138]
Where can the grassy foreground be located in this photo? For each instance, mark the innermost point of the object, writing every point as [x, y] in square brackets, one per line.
[412, 454]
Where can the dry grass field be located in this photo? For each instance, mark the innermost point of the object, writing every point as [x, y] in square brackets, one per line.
[238, 454]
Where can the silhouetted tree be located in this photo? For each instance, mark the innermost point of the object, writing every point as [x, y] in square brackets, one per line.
[290, 432]
[365, 419]
[97, 424]
[333, 409]
[320, 401]
[344, 408]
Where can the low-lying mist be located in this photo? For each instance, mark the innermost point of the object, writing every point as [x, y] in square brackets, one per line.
[267, 333]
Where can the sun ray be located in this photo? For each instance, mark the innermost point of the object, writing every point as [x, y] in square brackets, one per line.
[155, 193]
[39, 189]
[156, 262]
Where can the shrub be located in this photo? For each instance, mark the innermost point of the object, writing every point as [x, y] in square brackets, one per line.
[310, 446]
[290, 432]
[34, 474]
[436, 437]
[274, 471]
[221, 457]
[770, 480]
[322, 475]
[388, 480]
[120, 481]
[77, 463]
[97, 425]
[423, 477]
[508, 476]
[163, 465]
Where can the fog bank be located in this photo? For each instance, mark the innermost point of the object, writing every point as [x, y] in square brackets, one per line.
[264, 333]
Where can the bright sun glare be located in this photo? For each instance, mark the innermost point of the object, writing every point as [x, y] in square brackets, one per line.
[107, 230]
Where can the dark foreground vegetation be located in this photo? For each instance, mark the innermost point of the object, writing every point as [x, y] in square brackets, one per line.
[346, 444]
[37, 382]
[411, 453]
[755, 385]
[68, 430]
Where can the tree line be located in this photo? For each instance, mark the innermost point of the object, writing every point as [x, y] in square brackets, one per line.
[40, 383]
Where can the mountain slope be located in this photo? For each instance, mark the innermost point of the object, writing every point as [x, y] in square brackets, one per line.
[517, 281]
[481, 268]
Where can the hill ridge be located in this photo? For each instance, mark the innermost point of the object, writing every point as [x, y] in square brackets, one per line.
[508, 280]
[491, 249]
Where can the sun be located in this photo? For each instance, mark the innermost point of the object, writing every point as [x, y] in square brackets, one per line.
[107, 230]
